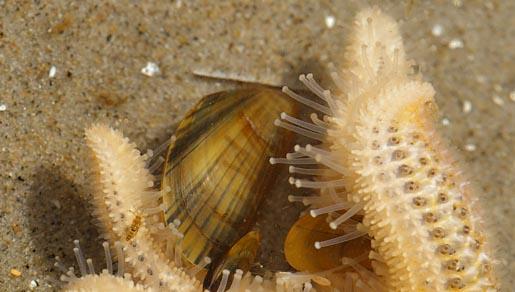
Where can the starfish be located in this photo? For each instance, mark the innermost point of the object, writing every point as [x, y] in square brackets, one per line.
[378, 142]
[122, 189]
[123, 197]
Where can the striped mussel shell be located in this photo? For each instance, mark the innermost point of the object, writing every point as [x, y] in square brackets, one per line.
[217, 173]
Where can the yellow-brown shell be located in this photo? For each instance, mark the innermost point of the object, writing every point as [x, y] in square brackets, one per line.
[217, 171]
[300, 251]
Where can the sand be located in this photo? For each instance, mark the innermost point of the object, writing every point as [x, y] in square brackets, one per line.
[465, 48]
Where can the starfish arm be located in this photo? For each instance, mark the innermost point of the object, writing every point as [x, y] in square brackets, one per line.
[103, 282]
[121, 184]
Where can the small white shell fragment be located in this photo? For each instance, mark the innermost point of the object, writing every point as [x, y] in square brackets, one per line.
[52, 72]
[470, 147]
[437, 30]
[512, 95]
[498, 100]
[481, 79]
[467, 106]
[456, 44]
[150, 69]
[33, 284]
[446, 122]
[3, 107]
[457, 3]
[330, 21]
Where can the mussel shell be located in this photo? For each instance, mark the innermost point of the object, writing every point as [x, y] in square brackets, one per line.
[300, 251]
[217, 172]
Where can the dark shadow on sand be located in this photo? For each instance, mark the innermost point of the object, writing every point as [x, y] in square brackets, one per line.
[58, 214]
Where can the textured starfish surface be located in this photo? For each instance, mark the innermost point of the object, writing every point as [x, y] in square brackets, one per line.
[104, 282]
[122, 191]
[380, 157]
[380, 143]
[122, 196]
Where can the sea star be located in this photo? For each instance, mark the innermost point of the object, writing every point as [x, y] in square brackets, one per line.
[379, 142]
[122, 190]
[378, 139]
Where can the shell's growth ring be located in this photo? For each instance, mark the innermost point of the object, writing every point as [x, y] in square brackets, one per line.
[379, 143]
[216, 173]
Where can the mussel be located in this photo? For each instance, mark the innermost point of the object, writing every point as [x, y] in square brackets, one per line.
[217, 174]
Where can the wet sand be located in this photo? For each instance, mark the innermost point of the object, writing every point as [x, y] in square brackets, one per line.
[466, 49]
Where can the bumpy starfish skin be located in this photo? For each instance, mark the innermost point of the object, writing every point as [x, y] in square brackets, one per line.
[104, 282]
[381, 139]
[422, 217]
[122, 184]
